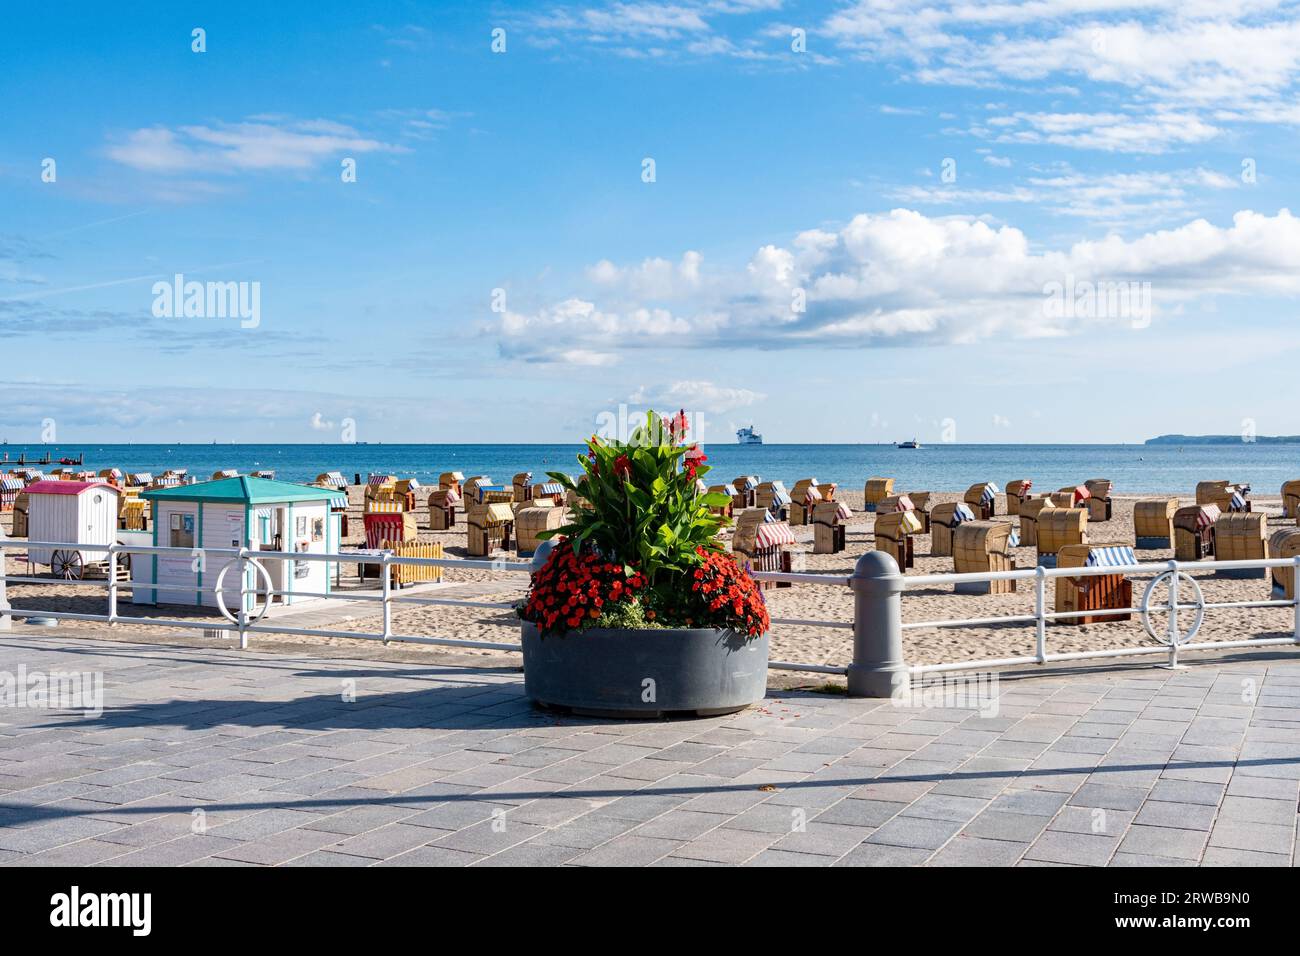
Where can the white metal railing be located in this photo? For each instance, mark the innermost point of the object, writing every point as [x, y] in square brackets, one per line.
[250, 622]
[245, 620]
[1171, 642]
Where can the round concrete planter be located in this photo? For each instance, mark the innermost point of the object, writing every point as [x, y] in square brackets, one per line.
[645, 673]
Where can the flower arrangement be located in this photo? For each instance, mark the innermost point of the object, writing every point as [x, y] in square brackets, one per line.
[643, 552]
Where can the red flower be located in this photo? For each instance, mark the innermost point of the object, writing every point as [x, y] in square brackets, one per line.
[623, 466]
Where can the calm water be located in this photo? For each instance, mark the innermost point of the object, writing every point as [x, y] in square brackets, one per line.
[1133, 468]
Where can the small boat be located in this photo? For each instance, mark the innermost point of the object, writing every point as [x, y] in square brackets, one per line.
[908, 444]
[747, 436]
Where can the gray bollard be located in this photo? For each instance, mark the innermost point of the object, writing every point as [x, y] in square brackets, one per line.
[541, 554]
[6, 622]
[877, 669]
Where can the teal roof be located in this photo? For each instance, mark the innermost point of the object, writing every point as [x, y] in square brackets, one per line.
[245, 490]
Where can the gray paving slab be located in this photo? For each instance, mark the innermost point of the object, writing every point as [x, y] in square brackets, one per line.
[452, 767]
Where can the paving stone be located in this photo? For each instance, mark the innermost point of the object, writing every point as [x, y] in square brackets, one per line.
[881, 854]
[862, 813]
[1182, 844]
[1258, 810]
[1185, 816]
[964, 850]
[1076, 849]
[1261, 837]
[627, 851]
[915, 832]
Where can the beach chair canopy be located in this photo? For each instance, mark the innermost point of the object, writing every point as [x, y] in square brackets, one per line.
[727, 489]
[11, 483]
[331, 479]
[842, 511]
[963, 513]
[1238, 502]
[547, 488]
[747, 482]
[779, 494]
[378, 481]
[1013, 539]
[338, 502]
[1110, 556]
[772, 534]
[989, 494]
[484, 489]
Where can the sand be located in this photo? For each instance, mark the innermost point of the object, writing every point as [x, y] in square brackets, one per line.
[798, 643]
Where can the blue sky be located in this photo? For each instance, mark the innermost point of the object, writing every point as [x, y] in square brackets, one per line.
[852, 241]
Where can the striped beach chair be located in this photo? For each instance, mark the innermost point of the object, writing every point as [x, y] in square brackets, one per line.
[1099, 592]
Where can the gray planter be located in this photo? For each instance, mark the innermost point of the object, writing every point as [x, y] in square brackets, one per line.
[645, 673]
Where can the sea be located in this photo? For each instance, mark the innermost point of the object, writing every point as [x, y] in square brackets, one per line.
[1135, 469]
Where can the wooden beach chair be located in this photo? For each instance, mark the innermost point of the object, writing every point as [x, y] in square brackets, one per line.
[895, 533]
[1194, 532]
[979, 546]
[1099, 506]
[1100, 592]
[803, 497]
[1057, 527]
[1017, 491]
[1241, 536]
[762, 543]
[1285, 543]
[490, 525]
[828, 526]
[875, 491]
[1153, 523]
[944, 519]
[772, 497]
[533, 519]
[982, 499]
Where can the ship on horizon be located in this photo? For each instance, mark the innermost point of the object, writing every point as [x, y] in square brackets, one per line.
[908, 444]
[747, 436]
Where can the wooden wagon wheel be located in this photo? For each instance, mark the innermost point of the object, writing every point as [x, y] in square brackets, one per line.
[67, 565]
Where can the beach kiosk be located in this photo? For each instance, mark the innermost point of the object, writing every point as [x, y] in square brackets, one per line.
[979, 546]
[1241, 536]
[1153, 523]
[81, 514]
[944, 519]
[1100, 592]
[244, 512]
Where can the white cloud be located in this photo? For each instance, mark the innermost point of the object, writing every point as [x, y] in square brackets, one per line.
[262, 143]
[318, 423]
[695, 395]
[905, 276]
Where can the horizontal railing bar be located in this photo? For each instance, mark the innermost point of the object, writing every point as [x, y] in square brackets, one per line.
[809, 622]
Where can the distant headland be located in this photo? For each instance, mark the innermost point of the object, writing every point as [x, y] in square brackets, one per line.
[1223, 440]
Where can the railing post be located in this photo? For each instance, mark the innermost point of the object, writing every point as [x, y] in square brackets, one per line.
[243, 599]
[112, 585]
[6, 621]
[1173, 614]
[1295, 597]
[387, 591]
[1040, 610]
[877, 669]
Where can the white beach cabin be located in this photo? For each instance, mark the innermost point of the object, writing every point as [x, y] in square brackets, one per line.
[260, 514]
[74, 513]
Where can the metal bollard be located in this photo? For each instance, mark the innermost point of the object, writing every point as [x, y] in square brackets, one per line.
[541, 554]
[877, 669]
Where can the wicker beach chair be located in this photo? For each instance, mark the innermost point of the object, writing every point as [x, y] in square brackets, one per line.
[1153, 523]
[1100, 592]
[979, 546]
[1241, 536]
[1054, 528]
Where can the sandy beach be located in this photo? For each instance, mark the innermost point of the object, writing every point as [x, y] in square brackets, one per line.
[798, 643]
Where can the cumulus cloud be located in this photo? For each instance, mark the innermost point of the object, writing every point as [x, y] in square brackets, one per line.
[695, 395]
[902, 277]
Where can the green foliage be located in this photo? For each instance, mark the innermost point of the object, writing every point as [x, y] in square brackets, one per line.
[629, 615]
[644, 509]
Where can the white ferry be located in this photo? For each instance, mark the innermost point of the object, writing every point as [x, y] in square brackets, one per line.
[747, 436]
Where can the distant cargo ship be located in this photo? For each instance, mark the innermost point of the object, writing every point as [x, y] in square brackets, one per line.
[747, 436]
[908, 444]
